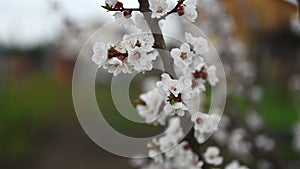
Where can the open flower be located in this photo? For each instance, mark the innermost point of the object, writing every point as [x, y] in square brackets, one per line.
[264, 142]
[185, 158]
[182, 57]
[133, 54]
[197, 44]
[114, 66]
[154, 151]
[158, 8]
[140, 59]
[202, 74]
[211, 156]
[188, 9]
[205, 123]
[177, 108]
[173, 135]
[142, 40]
[124, 18]
[150, 107]
[100, 53]
[177, 93]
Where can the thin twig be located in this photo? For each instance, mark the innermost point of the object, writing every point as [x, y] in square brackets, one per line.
[121, 9]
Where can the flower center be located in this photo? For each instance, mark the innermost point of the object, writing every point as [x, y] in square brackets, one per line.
[180, 10]
[201, 74]
[127, 14]
[183, 55]
[172, 99]
[160, 9]
[112, 52]
[118, 5]
[137, 55]
[199, 120]
[191, 47]
[212, 156]
[138, 44]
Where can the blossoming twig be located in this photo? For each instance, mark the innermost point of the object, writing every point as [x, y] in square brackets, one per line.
[120, 9]
[179, 3]
[158, 36]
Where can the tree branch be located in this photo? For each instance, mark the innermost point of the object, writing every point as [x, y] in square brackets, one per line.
[158, 37]
[121, 9]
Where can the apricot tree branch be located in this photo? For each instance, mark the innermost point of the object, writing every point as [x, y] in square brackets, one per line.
[158, 37]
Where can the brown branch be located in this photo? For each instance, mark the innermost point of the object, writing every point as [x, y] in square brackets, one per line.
[121, 9]
[159, 43]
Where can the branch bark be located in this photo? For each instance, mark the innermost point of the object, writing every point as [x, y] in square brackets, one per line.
[160, 43]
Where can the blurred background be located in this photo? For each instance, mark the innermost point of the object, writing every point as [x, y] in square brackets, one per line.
[258, 42]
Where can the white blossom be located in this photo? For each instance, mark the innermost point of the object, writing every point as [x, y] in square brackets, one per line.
[114, 66]
[175, 109]
[111, 3]
[133, 54]
[256, 93]
[211, 156]
[190, 11]
[173, 135]
[149, 83]
[177, 93]
[168, 142]
[254, 120]
[235, 165]
[201, 74]
[154, 151]
[151, 107]
[170, 86]
[124, 19]
[182, 57]
[158, 8]
[198, 44]
[237, 143]
[175, 128]
[142, 40]
[140, 59]
[264, 142]
[184, 158]
[100, 53]
[200, 136]
[205, 123]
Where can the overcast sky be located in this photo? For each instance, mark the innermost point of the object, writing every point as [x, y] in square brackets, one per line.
[30, 22]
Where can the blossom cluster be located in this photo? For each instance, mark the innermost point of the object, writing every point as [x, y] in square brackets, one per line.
[177, 97]
[132, 54]
[184, 158]
[183, 8]
[159, 8]
[174, 96]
